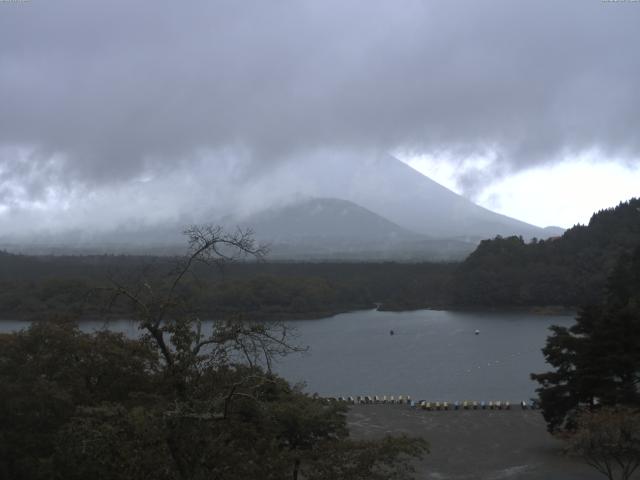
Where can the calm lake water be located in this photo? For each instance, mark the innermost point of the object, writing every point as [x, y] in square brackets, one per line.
[433, 355]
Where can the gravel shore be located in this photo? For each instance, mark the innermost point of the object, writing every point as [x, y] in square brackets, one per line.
[475, 444]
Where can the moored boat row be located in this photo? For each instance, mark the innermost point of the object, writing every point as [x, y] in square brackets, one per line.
[427, 405]
[474, 405]
[371, 399]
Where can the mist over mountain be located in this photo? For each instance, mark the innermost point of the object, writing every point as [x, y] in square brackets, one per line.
[389, 187]
[368, 208]
[324, 218]
[331, 228]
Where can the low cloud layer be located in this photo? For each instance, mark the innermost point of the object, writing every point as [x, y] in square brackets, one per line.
[95, 95]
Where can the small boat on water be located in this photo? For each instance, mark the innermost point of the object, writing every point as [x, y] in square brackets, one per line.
[390, 332]
[477, 332]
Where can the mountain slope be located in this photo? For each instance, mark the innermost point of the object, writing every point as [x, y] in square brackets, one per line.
[371, 208]
[335, 228]
[391, 188]
[321, 218]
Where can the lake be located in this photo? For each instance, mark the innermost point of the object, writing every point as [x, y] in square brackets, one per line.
[433, 355]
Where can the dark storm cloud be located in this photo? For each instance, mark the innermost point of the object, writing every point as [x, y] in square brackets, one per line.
[98, 92]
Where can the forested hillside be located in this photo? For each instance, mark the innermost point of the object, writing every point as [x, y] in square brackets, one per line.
[37, 287]
[504, 272]
[569, 270]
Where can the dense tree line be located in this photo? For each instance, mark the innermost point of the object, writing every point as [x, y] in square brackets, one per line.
[570, 270]
[504, 272]
[33, 287]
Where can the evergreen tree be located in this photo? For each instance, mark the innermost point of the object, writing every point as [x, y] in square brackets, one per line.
[597, 360]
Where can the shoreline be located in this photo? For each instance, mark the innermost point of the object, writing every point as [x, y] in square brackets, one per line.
[550, 310]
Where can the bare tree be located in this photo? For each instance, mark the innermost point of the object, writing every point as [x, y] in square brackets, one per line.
[609, 440]
[166, 314]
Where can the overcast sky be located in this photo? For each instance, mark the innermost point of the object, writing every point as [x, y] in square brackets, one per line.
[116, 108]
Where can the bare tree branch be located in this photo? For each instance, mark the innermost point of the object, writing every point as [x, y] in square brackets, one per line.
[166, 314]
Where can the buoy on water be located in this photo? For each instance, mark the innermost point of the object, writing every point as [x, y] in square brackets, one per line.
[390, 332]
[477, 332]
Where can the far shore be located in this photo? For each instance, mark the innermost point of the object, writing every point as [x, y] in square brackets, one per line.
[318, 315]
[536, 309]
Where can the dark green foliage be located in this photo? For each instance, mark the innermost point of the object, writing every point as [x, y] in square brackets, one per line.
[570, 270]
[269, 297]
[38, 287]
[48, 371]
[75, 405]
[597, 360]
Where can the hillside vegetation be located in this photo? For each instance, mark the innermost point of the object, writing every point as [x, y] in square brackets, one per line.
[569, 270]
[504, 272]
[37, 287]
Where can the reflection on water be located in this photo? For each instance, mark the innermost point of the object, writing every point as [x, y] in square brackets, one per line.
[434, 355]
